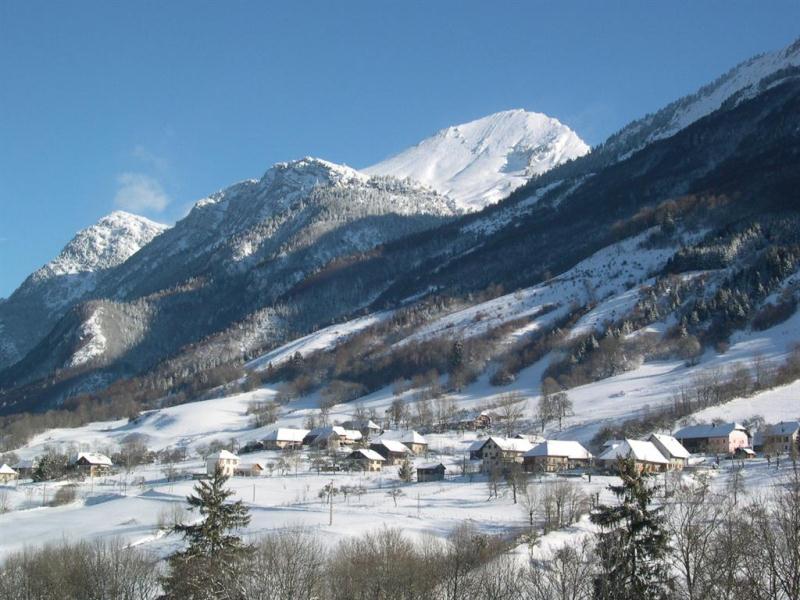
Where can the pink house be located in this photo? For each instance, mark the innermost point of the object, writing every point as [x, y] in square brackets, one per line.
[714, 438]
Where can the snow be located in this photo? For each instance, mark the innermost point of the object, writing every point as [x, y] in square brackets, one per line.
[327, 337]
[480, 162]
[638, 449]
[669, 446]
[93, 342]
[567, 448]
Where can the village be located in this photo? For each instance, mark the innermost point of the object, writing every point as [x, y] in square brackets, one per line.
[359, 475]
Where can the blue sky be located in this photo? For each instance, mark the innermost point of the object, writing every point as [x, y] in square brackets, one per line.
[153, 105]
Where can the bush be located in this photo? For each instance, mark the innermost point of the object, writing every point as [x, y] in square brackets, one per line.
[65, 495]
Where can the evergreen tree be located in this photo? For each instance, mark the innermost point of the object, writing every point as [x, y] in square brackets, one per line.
[212, 565]
[633, 543]
[406, 471]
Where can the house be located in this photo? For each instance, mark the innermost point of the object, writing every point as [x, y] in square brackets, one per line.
[284, 438]
[501, 452]
[92, 463]
[415, 442]
[227, 462]
[331, 435]
[645, 454]
[254, 469]
[671, 449]
[782, 437]
[26, 467]
[431, 472]
[470, 421]
[556, 455]
[367, 427]
[392, 451]
[7, 474]
[714, 438]
[365, 460]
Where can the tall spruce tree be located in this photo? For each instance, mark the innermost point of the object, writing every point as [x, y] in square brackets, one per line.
[212, 565]
[633, 543]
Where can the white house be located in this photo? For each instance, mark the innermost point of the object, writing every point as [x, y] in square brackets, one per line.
[645, 454]
[671, 449]
[92, 462]
[284, 437]
[556, 455]
[226, 461]
[7, 474]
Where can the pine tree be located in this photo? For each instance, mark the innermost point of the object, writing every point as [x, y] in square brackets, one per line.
[406, 471]
[215, 558]
[632, 543]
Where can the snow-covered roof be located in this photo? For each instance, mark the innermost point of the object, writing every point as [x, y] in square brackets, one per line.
[94, 458]
[560, 448]
[353, 434]
[368, 454]
[669, 446]
[223, 454]
[261, 465]
[783, 428]
[363, 424]
[429, 466]
[392, 446]
[6, 470]
[412, 437]
[638, 449]
[511, 444]
[286, 434]
[710, 430]
[477, 445]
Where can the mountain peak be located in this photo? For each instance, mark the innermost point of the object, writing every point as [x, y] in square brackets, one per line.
[480, 162]
[107, 243]
[310, 171]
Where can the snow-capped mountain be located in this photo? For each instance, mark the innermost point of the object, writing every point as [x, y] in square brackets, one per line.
[481, 162]
[744, 81]
[69, 278]
[236, 253]
[107, 243]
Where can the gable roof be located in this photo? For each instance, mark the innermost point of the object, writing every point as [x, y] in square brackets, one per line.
[669, 446]
[94, 458]
[511, 444]
[640, 451]
[392, 446]
[560, 448]
[431, 467]
[783, 428]
[708, 430]
[366, 453]
[6, 470]
[412, 437]
[222, 454]
[286, 434]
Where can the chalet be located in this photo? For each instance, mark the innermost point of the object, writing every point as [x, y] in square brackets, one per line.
[415, 442]
[365, 460]
[431, 472]
[7, 474]
[556, 455]
[716, 438]
[671, 449]
[645, 454]
[254, 469]
[331, 435]
[225, 461]
[92, 463]
[26, 467]
[284, 438]
[367, 427]
[501, 452]
[470, 421]
[782, 437]
[392, 451]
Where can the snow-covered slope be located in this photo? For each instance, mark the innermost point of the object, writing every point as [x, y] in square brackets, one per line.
[69, 278]
[744, 81]
[480, 162]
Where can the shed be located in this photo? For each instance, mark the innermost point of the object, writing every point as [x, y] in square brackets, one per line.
[431, 472]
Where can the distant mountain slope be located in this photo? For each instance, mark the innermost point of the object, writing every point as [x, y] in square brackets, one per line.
[482, 161]
[70, 277]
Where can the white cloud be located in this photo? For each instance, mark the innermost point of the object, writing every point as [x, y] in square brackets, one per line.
[140, 193]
